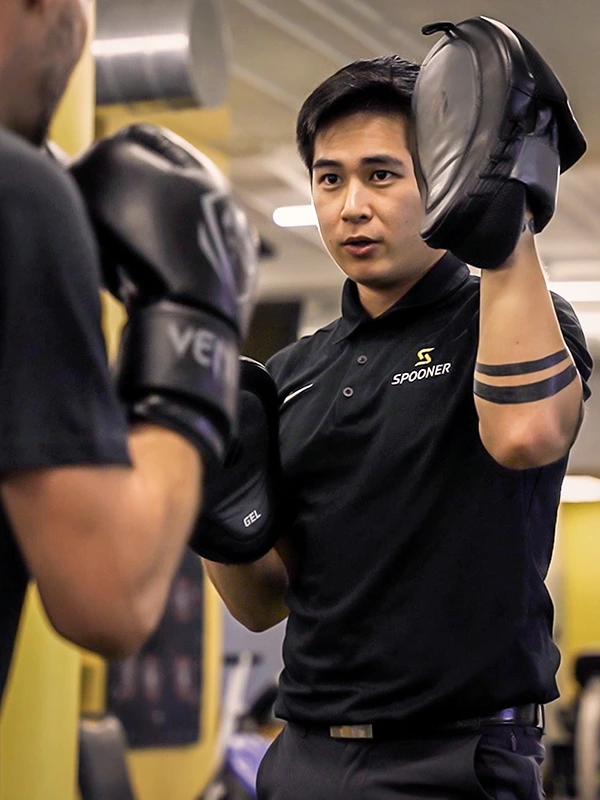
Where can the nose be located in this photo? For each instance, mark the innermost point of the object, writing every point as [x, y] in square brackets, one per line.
[357, 207]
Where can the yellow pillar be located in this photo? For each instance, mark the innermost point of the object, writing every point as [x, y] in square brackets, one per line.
[38, 731]
[578, 602]
[39, 722]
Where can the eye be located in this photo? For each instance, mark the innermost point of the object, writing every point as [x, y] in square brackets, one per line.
[329, 179]
[382, 175]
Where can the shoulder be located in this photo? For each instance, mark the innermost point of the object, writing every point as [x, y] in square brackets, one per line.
[286, 361]
[469, 288]
[32, 176]
[563, 306]
[44, 225]
[567, 317]
[574, 336]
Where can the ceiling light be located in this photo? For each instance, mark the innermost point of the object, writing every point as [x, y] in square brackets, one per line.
[126, 45]
[295, 216]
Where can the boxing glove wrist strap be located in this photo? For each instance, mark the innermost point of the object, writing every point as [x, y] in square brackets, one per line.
[180, 365]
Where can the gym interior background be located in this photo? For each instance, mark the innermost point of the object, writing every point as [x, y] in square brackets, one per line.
[230, 76]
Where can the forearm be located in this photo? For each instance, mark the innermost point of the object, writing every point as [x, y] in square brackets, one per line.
[523, 427]
[167, 486]
[253, 593]
[104, 543]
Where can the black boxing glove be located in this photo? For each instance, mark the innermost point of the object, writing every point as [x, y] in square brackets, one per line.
[240, 520]
[178, 251]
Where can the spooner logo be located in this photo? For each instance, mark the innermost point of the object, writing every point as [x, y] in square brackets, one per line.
[428, 370]
[424, 357]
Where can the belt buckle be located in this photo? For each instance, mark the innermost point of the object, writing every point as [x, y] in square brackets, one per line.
[541, 718]
[508, 715]
[351, 731]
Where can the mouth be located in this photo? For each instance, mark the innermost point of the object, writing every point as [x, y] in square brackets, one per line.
[360, 246]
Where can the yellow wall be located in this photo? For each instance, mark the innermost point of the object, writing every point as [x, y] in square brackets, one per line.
[206, 129]
[38, 732]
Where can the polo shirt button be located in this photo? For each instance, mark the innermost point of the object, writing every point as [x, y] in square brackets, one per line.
[362, 359]
[348, 391]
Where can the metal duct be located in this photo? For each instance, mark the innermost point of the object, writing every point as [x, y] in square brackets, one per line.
[176, 51]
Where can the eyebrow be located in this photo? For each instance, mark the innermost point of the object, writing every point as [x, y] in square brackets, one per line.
[367, 161]
[326, 162]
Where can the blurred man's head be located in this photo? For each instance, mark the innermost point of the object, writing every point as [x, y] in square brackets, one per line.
[40, 44]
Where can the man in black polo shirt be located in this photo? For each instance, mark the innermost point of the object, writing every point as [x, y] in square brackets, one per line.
[96, 511]
[421, 505]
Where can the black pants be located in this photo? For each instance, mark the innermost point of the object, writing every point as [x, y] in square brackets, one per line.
[494, 761]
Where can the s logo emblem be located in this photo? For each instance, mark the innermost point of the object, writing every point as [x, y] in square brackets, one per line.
[424, 357]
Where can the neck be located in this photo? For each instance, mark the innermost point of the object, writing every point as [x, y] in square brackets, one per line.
[376, 300]
[5, 91]
[12, 92]
[9, 75]
[19, 89]
[7, 117]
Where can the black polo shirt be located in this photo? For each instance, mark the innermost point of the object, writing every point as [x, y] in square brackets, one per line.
[420, 592]
[58, 406]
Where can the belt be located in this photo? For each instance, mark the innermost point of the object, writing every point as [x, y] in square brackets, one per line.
[530, 714]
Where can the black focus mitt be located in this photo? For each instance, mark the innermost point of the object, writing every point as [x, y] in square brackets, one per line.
[493, 129]
[239, 520]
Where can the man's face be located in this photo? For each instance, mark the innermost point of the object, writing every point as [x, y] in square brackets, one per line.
[367, 200]
[63, 38]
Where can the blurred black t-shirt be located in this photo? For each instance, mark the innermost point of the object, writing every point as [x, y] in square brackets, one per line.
[58, 406]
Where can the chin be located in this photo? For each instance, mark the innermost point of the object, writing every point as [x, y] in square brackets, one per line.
[373, 276]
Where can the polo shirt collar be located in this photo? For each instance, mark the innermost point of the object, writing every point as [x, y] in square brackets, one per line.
[446, 275]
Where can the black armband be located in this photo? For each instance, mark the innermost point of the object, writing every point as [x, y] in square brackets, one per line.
[526, 393]
[523, 367]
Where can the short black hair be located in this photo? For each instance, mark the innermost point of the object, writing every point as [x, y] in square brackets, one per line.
[383, 85]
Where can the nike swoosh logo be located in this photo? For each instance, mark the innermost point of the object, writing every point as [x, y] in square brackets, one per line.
[297, 392]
